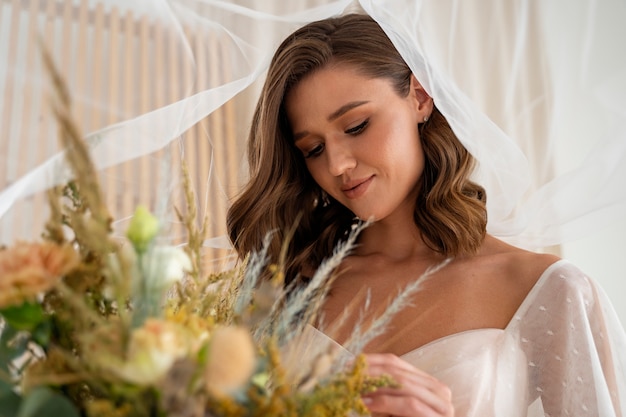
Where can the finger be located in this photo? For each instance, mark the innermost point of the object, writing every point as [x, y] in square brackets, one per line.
[405, 406]
[416, 398]
[399, 370]
[413, 382]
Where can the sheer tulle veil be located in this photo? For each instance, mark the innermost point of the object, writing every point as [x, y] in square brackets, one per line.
[516, 80]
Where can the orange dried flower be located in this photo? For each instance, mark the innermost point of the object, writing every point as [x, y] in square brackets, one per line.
[231, 360]
[28, 269]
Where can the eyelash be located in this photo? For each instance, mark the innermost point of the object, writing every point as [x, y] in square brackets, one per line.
[358, 129]
[352, 131]
[314, 152]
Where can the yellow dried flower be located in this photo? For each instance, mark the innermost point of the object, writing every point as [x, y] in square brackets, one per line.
[28, 269]
[107, 408]
[200, 327]
[231, 360]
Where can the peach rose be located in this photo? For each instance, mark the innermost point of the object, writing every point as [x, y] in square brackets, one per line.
[29, 269]
[152, 350]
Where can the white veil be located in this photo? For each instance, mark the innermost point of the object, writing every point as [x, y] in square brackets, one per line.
[175, 80]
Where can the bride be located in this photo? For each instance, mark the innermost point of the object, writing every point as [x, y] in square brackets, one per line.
[345, 131]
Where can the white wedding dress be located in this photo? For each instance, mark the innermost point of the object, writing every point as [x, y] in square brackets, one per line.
[562, 354]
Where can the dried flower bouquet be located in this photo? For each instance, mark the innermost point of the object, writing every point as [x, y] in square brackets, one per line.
[94, 326]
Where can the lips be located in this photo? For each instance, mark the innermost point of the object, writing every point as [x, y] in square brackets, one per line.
[356, 188]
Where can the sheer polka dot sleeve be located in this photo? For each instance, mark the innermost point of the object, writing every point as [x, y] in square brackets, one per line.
[575, 346]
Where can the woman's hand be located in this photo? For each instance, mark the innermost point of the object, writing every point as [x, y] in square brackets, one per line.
[419, 394]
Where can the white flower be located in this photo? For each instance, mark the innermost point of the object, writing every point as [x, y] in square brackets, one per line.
[165, 265]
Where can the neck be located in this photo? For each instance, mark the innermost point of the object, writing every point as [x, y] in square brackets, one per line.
[396, 239]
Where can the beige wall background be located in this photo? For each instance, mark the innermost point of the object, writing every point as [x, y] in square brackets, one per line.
[103, 49]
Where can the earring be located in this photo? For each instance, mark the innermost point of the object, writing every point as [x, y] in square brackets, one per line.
[325, 199]
[425, 119]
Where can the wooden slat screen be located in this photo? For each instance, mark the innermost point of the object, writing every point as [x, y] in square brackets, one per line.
[105, 52]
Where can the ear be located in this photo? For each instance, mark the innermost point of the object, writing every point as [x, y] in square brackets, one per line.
[423, 102]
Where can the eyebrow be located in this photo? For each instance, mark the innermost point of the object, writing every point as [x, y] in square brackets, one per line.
[334, 115]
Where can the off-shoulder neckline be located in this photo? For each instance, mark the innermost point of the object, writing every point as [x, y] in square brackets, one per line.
[514, 320]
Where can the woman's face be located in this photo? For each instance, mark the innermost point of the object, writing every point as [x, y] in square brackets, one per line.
[360, 139]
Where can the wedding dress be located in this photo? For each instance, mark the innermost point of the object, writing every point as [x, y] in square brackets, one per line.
[562, 354]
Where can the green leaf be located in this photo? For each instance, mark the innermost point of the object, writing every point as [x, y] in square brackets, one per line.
[41, 334]
[9, 400]
[203, 354]
[44, 402]
[26, 316]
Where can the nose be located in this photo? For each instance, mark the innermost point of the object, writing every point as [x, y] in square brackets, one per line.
[340, 157]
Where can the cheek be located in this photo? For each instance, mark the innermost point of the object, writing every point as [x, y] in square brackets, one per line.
[407, 160]
[402, 148]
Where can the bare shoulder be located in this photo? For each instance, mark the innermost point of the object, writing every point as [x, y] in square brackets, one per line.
[521, 268]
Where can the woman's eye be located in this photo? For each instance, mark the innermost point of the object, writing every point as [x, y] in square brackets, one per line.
[316, 151]
[358, 129]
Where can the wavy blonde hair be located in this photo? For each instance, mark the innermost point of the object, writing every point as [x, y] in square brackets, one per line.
[281, 195]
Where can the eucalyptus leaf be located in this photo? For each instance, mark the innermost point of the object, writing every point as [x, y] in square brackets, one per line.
[44, 402]
[9, 400]
[26, 316]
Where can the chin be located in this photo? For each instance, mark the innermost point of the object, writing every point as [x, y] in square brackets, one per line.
[367, 217]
